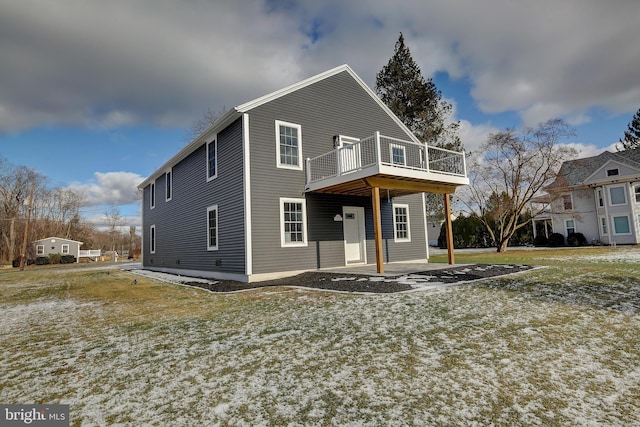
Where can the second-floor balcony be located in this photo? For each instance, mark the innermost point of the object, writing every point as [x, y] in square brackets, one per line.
[354, 164]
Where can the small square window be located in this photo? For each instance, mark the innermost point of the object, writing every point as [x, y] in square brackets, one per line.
[613, 172]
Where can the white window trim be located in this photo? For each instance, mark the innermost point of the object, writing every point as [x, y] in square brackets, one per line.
[152, 239]
[600, 198]
[168, 189]
[604, 224]
[570, 201]
[214, 141]
[39, 249]
[404, 154]
[283, 242]
[613, 225]
[152, 195]
[566, 228]
[299, 128]
[209, 246]
[624, 193]
[62, 248]
[395, 231]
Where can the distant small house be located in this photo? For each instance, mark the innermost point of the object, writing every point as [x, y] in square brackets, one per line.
[57, 245]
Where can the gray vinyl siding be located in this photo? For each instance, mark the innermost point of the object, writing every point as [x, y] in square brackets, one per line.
[181, 223]
[333, 106]
[55, 247]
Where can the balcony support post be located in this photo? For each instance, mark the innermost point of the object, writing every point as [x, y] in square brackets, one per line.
[377, 228]
[448, 228]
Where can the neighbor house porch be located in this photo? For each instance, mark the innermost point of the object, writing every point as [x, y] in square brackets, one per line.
[399, 167]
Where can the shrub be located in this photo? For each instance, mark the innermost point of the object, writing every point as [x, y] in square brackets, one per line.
[541, 240]
[42, 260]
[55, 258]
[556, 239]
[576, 239]
[67, 259]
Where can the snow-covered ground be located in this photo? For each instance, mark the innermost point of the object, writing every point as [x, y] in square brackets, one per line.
[502, 353]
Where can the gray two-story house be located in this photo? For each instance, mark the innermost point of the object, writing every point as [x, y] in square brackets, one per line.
[319, 174]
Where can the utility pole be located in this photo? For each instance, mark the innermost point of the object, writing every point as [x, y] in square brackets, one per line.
[23, 256]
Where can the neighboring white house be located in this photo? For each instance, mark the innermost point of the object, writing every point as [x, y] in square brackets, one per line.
[597, 196]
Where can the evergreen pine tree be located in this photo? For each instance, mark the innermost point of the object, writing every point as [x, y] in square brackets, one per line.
[416, 101]
[631, 139]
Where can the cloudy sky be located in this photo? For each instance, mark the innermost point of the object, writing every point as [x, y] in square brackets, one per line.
[98, 94]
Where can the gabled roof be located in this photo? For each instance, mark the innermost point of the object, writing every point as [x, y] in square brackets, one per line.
[575, 172]
[58, 238]
[235, 113]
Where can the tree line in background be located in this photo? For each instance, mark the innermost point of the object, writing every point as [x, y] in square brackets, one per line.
[52, 212]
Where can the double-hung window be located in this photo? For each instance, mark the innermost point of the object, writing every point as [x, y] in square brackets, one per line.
[600, 198]
[152, 239]
[212, 228]
[288, 145]
[152, 195]
[293, 222]
[40, 250]
[603, 226]
[168, 185]
[637, 192]
[65, 249]
[567, 202]
[401, 223]
[570, 225]
[212, 159]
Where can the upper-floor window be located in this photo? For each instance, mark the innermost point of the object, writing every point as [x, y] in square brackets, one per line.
[567, 202]
[169, 184]
[212, 228]
[398, 156]
[600, 198]
[293, 222]
[212, 159]
[289, 145]
[152, 195]
[65, 249]
[613, 172]
[637, 191]
[616, 195]
[401, 223]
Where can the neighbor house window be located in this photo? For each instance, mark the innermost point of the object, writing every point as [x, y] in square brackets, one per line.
[637, 192]
[570, 225]
[152, 239]
[621, 225]
[152, 195]
[567, 202]
[398, 155]
[616, 195]
[212, 159]
[401, 223]
[289, 145]
[168, 185]
[40, 250]
[212, 228]
[65, 249]
[613, 172]
[293, 227]
[600, 198]
[603, 226]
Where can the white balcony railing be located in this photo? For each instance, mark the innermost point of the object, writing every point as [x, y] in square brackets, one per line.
[386, 151]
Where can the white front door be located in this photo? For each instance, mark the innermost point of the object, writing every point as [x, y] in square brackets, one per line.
[354, 234]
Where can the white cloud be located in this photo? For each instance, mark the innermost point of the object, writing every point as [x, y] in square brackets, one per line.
[110, 189]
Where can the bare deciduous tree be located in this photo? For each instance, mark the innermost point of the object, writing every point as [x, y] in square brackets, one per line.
[510, 169]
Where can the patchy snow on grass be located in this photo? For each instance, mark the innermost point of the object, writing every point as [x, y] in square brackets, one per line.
[500, 352]
[618, 255]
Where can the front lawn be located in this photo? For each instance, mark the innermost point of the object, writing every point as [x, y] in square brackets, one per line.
[553, 346]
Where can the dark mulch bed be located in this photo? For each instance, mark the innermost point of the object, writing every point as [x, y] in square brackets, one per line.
[371, 284]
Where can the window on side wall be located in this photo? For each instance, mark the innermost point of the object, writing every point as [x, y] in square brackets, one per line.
[401, 229]
[603, 226]
[152, 195]
[152, 239]
[637, 192]
[65, 249]
[168, 185]
[600, 198]
[293, 222]
[288, 145]
[567, 202]
[212, 228]
[40, 250]
[212, 159]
